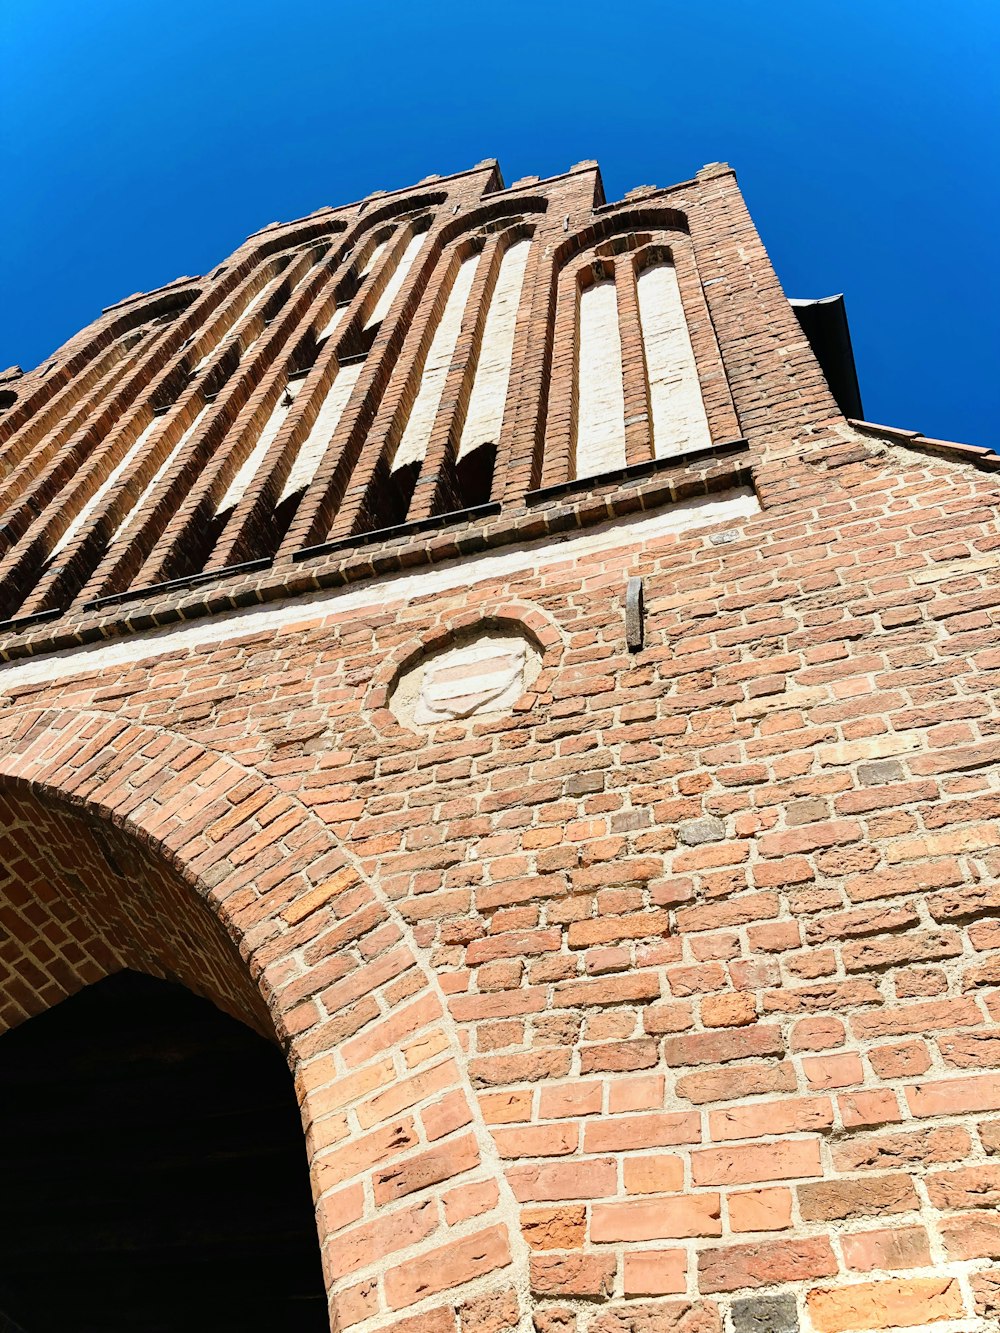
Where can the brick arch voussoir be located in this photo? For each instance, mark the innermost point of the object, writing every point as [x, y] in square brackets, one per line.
[392, 1123]
[621, 221]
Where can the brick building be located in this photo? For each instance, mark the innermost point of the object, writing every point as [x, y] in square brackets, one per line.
[467, 650]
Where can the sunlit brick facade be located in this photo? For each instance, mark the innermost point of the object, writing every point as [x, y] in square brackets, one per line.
[463, 637]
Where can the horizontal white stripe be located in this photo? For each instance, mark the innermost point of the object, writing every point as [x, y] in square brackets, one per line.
[623, 534]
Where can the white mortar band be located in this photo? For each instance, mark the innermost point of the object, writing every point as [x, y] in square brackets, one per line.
[330, 606]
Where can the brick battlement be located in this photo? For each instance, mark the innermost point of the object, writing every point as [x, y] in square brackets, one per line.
[636, 958]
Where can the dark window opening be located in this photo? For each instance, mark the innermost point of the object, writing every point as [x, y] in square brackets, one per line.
[213, 530]
[170, 390]
[303, 358]
[467, 483]
[281, 520]
[154, 1171]
[7, 399]
[216, 377]
[348, 286]
[275, 301]
[388, 500]
[202, 534]
[474, 475]
[357, 343]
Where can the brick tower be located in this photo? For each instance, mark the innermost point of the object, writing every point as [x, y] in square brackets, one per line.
[470, 639]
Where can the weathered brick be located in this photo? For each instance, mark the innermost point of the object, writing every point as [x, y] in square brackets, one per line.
[588, 1275]
[890, 1248]
[766, 1314]
[746, 1163]
[765, 1263]
[659, 1219]
[895, 1303]
[868, 1196]
[760, 1210]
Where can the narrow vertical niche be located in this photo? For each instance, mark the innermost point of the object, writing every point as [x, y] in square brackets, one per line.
[677, 408]
[208, 391]
[130, 456]
[396, 279]
[600, 391]
[242, 310]
[477, 449]
[247, 471]
[246, 475]
[391, 490]
[358, 337]
[161, 405]
[349, 286]
[346, 372]
[313, 449]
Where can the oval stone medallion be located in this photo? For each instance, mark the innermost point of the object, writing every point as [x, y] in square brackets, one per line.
[480, 676]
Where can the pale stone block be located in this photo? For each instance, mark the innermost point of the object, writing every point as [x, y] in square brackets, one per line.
[483, 676]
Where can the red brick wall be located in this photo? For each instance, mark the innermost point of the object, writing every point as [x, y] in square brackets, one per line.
[665, 1001]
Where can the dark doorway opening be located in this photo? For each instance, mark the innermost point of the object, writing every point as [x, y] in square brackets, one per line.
[152, 1171]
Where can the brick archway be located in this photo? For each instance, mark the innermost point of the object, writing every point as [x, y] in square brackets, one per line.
[249, 900]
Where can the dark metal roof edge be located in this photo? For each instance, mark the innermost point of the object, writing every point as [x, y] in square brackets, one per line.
[980, 455]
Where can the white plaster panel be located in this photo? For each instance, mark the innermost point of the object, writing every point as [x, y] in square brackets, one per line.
[396, 281]
[600, 432]
[140, 504]
[679, 422]
[489, 390]
[310, 455]
[332, 323]
[105, 486]
[241, 314]
[376, 253]
[340, 312]
[239, 484]
[417, 433]
[625, 535]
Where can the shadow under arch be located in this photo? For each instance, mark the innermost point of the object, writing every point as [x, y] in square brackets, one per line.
[81, 898]
[152, 1159]
[153, 1171]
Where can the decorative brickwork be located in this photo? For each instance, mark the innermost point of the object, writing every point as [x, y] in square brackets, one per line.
[639, 972]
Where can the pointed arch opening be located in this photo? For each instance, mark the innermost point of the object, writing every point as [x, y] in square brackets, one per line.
[152, 1159]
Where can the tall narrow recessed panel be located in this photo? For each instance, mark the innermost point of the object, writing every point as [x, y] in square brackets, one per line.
[600, 427]
[678, 412]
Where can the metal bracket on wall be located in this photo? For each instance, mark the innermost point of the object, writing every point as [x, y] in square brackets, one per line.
[635, 615]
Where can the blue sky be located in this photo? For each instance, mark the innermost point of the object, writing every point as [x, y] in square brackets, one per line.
[140, 141]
